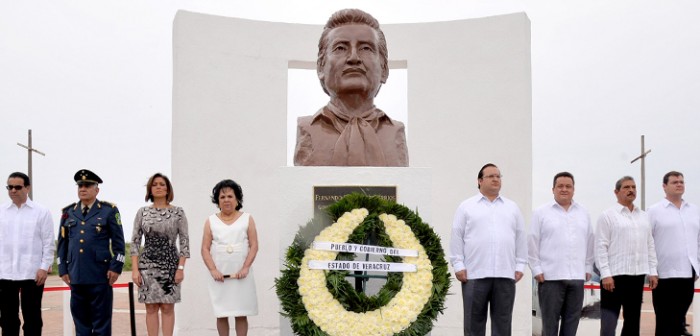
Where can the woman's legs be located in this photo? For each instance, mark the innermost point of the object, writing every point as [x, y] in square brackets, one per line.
[167, 315]
[222, 326]
[241, 325]
[152, 320]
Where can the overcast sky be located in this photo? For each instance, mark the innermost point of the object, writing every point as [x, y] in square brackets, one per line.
[93, 80]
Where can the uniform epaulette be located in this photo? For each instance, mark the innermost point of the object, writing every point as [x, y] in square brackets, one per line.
[108, 203]
[68, 206]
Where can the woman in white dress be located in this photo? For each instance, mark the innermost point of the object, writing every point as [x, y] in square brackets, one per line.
[229, 247]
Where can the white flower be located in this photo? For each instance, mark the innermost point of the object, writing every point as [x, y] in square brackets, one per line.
[329, 315]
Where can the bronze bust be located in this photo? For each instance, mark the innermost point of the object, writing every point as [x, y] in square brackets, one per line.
[350, 131]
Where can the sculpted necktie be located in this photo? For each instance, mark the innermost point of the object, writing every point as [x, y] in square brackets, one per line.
[358, 144]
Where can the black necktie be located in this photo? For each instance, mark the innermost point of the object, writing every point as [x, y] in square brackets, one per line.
[85, 210]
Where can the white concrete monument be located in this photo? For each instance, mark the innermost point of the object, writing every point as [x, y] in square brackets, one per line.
[469, 102]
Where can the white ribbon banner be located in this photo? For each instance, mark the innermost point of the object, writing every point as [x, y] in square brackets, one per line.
[368, 249]
[340, 265]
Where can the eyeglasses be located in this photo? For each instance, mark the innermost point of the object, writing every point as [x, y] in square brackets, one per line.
[15, 187]
[494, 176]
[85, 184]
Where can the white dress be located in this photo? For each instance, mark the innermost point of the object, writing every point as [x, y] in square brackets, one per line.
[229, 249]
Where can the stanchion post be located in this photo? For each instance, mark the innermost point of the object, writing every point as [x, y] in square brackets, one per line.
[67, 317]
[132, 315]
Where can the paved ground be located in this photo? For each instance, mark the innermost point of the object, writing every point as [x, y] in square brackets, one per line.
[52, 306]
[54, 300]
[591, 326]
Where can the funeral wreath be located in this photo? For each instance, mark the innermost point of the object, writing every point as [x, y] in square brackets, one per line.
[318, 299]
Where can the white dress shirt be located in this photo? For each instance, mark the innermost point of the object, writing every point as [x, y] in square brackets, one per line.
[676, 236]
[26, 240]
[560, 243]
[488, 238]
[624, 244]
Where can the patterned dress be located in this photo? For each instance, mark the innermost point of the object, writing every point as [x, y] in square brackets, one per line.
[159, 258]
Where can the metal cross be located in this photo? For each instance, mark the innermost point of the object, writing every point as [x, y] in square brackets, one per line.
[30, 150]
[642, 156]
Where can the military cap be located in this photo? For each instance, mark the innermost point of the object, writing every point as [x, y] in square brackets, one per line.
[86, 176]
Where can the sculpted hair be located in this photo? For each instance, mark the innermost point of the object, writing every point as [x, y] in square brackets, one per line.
[149, 194]
[481, 173]
[619, 182]
[23, 176]
[563, 174]
[237, 190]
[346, 17]
[672, 173]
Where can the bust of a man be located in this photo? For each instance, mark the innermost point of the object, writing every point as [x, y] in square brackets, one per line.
[350, 131]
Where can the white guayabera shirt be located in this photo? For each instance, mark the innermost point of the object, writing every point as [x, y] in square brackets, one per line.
[624, 244]
[676, 236]
[26, 240]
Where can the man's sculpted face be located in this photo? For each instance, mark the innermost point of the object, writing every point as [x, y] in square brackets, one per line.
[352, 63]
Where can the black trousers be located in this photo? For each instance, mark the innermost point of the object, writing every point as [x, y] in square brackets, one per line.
[489, 295]
[628, 295]
[91, 307]
[26, 293]
[672, 298]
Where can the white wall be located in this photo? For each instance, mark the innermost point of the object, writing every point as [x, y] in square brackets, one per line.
[469, 102]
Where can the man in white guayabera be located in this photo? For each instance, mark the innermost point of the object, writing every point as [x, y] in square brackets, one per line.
[560, 250]
[624, 254]
[488, 251]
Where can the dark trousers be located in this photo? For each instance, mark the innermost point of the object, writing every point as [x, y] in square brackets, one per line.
[91, 306]
[481, 296]
[628, 295]
[560, 300]
[26, 293]
[672, 298]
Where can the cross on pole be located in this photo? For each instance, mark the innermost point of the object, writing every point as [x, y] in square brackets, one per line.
[30, 150]
[642, 156]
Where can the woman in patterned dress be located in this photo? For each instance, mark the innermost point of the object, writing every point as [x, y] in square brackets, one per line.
[161, 268]
[229, 246]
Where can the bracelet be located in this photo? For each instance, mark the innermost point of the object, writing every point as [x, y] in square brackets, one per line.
[181, 267]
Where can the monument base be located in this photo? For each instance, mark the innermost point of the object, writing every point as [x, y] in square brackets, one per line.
[296, 196]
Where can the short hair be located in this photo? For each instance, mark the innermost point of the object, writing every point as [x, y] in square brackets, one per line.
[672, 173]
[618, 184]
[149, 194]
[481, 173]
[346, 17]
[237, 190]
[23, 176]
[562, 174]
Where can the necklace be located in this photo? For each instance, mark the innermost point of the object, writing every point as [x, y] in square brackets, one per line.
[228, 218]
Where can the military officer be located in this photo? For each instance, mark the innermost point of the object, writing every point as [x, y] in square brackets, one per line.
[85, 261]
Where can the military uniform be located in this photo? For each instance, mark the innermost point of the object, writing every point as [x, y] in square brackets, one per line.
[84, 254]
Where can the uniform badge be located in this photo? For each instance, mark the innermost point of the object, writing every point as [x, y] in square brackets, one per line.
[99, 229]
[63, 232]
[118, 217]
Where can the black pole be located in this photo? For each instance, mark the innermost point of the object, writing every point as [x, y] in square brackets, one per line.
[132, 314]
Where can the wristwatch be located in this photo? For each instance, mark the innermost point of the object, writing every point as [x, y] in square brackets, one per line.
[181, 267]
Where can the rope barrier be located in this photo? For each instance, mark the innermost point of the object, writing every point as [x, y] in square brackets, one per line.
[64, 288]
[646, 289]
[132, 311]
